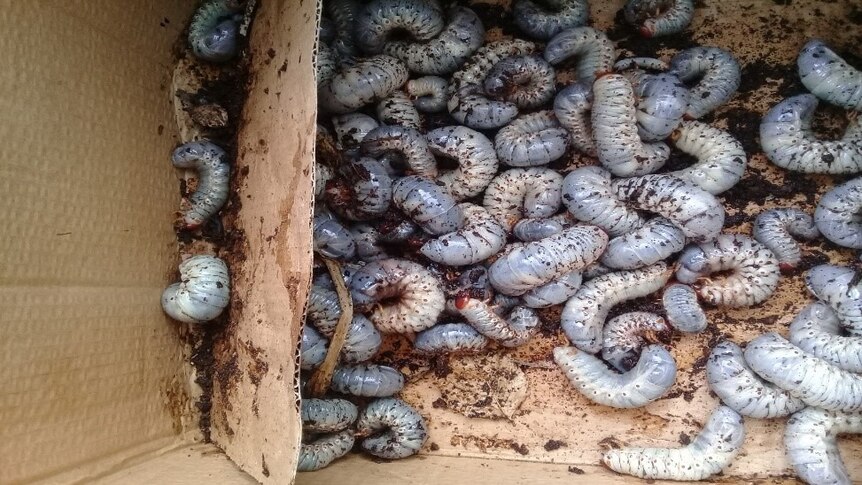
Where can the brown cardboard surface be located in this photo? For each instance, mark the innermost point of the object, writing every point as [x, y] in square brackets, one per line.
[255, 405]
[89, 366]
[197, 464]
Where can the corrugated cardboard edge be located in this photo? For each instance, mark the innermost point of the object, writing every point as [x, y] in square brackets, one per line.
[255, 413]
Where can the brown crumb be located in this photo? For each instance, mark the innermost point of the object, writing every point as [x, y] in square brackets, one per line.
[576, 470]
[552, 445]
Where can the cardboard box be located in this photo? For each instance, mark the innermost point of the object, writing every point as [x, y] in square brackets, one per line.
[95, 381]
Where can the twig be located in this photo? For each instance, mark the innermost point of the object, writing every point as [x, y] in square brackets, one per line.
[319, 382]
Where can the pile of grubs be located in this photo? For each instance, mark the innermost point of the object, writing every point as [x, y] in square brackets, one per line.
[440, 216]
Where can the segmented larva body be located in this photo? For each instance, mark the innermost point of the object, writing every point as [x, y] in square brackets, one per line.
[544, 19]
[512, 330]
[331, 238]
[366, 81]
[649, 63]
[312, 348]
[682, 308]
[428, 93]
[327, 415]
[323, 309]
[811, 440]
[419, 301]
[530, 140]
[472, 281]
[474, 152]
[592, 50]
[572, 108]
[351, 129]
[480, 238]
[368, 380]
[202, 293]
[583, 317]
[429, 204]
[396, 429]
[674, 16]
[788, 140]
[775, 229]
[648, 380]
[327, 63]
[738, 387]
[817, 330]
[840, 288]
[419, 19]
[406, 143]
[754, 270]
[697, 212]
[624, 335]
[322, 174]
[718, 73]
[321, 452]
[447, 51]
[711, 451]
[398, 109]
[813, 380]
[662, 101]
[535, 229]
[615, 130]
[448, 338]
[829, 77]
[534, 264]
[363, 193]
[214, 29]
[595, 270]
[343, 15]
[519, 193]
[839, 214]
[368, 238]
[589, 195]
[555, 292]
[721, 160]
[213, 173]
[362, 341]
[649, 244]
[467, 101]
[526, 81]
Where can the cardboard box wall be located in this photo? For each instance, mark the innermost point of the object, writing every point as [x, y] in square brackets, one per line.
[94, 379]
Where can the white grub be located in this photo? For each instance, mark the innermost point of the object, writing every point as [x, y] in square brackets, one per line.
[351, 129]
[656, 240]
[682, 308]
[321, 452]
[214, 30]
[534, 264]
[396, 430]
[331, 238]
[649, 380]
[363, 190]
[697, 212]
[554, 293]
[840, 288]
[839, 214]
[811, 440]
[376, 21]
[213, 173]
[406, 143]
[343, 14]
[817, 330]
[367, 380]
[368, 242]
[717, 73]
[592, 50]
[531, 140]
[624, 335]
[397, 109]
[775, 229]
[449, 338]
[544, 19]
[428, 93]
[572, 107]
[475, 154]
[828, 76]
[789, 142]
[478, 239]
[753, 270]
[813, 380]
[708, 454]
[648, 63]
[658, 18]
[512, 330]
[367, 81]
[661, 103]
[461, 37]
[312, 348]
[738, 387]
[413, 296]
[327, 415]
[526, 81]
[523, 193]
[534, 229]
[428, 203]
[589, 196]
[583, 317]
[721, 160]
[202, 293]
